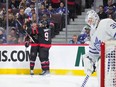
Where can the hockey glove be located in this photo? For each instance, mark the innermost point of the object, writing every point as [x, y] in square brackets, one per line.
[27, 44]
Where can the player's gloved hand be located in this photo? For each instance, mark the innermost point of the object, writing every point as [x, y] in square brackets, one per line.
[27, 44]
[88, 65]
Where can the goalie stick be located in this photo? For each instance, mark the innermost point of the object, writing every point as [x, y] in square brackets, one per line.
[85, 81]
[87, 77]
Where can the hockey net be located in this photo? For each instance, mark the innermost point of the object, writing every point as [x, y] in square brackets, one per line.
[108, 64]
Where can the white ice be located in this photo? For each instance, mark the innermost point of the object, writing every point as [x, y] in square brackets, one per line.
[45, 81]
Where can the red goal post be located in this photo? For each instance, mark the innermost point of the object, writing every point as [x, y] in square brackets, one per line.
[108, 64]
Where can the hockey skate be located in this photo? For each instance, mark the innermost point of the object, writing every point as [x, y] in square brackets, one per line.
[31, 72]
[45, 72]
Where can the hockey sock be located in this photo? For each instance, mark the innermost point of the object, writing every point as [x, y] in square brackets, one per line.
[32, 64]
[45, 65]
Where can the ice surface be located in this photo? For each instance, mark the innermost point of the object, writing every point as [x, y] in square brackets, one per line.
[45, 81]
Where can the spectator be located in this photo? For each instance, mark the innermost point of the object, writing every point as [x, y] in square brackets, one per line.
[1, 11]
[84, 29]
[4, 22]
[110, 12]
[74, 40]
[28, 9]
[42, 11]
[85, 37]
[13, 32]
[21, 16]
[33, 1]
[22, 19]
[47, 3]
[45, 22]
[3, 39]
[55, 3]
[34, 18]
[13, 4]
[31, 13]
[11, 39]
[11, 20]
[32, 5]
[22, 4]
[114, 16]
[109, 4]
[101, 12]
[1, 20]
[72, 9]
[50, 10]
[61, 9]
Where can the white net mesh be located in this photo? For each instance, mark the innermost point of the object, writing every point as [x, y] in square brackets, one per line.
[110, 64]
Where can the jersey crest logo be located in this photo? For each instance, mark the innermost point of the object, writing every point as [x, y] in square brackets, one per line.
[97, 44]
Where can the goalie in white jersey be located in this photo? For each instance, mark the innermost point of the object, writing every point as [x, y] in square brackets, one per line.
[106, 30]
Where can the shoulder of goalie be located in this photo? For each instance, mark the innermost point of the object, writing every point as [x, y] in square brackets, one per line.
[89, 65]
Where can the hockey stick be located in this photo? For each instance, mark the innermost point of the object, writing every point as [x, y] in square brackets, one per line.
[25, 31]
[87, 76]
[30, 36]
[85, 81]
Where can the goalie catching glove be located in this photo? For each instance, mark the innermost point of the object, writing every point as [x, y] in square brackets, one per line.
[89, 65]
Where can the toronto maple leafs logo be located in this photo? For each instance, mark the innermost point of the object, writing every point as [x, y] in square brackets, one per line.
[97, 44]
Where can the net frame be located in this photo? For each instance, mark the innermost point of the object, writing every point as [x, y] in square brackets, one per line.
[108, 64]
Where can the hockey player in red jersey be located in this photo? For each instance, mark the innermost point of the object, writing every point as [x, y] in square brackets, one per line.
[40, 43]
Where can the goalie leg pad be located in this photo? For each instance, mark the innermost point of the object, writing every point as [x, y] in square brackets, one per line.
[88, 65]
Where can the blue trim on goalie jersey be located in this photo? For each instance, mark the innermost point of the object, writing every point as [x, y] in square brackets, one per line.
[93, 52]
[92, 48]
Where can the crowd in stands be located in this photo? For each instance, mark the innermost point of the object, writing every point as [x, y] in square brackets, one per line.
[107, 11]
[26, 12]
[83, 38]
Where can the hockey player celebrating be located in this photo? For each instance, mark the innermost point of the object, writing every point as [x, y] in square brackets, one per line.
[40, 38]
[106, 30]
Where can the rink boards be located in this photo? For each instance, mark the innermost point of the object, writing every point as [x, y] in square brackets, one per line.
[64, 59]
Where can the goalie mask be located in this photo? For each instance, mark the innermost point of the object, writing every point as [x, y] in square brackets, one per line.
[92, 19]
